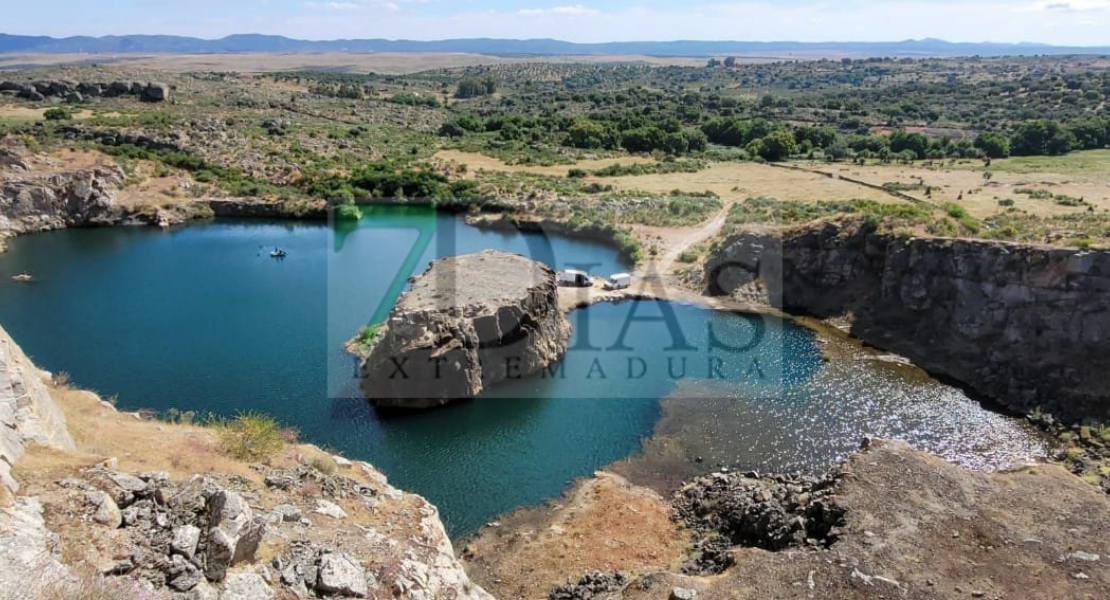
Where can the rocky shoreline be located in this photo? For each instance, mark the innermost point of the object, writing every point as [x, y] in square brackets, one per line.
[1023, 325]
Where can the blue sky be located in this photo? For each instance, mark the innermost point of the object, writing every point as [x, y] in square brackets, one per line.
[1070, 22]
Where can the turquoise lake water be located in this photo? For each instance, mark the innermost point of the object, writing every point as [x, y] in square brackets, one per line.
[201, 318]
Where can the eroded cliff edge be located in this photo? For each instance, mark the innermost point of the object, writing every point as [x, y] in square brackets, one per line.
[1027, 326]
[466, 323]
[99, 503]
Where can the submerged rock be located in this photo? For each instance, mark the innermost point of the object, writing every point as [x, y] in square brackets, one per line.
[468, 322]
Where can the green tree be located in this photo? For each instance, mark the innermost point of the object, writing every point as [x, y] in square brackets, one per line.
[584, 133]
[777, 145]
[1041, 137]
[915, 142]
[994, 145]
[472, 87]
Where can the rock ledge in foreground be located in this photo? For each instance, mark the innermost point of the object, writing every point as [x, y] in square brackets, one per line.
[468, 322]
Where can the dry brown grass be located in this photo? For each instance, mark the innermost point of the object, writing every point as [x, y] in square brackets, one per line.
[383, 62]
[101, 432]
[964, 184]
[26, 113]
[475, 161]
[604, 524]
[741, 180]
[86, 584]
[730, 181]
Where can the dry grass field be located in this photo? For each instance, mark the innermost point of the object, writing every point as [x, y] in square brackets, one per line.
[1079, 175]
[730, 181]
[27, 114]
[479, 162]
[385, 62]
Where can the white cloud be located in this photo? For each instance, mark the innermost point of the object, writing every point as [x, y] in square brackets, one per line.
[386, 5]
[332, 5]
[1067, 6]
[576, 10]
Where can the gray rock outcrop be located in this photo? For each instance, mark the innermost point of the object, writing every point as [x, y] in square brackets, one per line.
[467, 322]
[1027, 326]
[39, 91]
[86, 197]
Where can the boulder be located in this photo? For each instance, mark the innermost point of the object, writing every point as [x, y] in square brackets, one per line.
[246, 586]
[203, 591]
[330, 509]
[287, 513]
[107, 512]
[233, 534]
[681, 593]
[340, 574]
[117, 88]
[185, 539]
[121, 487]
[155, 92]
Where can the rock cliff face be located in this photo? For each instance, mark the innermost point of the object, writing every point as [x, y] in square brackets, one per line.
[468, 322]
[1024, 325]
[84, 197]
[27, 414]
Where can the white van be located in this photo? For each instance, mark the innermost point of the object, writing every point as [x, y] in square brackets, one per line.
[573, 278]
[618, 281]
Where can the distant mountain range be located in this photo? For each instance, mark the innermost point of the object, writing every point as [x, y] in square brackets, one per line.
[168, 44]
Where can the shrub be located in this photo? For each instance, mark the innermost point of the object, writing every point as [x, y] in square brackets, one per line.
[250, 436]
[348, 212]
[689, 256]
[57, 114]
[324, 464]
[366, 338]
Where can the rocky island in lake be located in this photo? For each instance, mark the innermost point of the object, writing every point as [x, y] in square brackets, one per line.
[467, 322]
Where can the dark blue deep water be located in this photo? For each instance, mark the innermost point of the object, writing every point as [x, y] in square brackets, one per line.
[201, 318]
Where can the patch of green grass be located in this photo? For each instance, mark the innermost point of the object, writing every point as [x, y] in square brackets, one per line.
[366, 338]
[1074, 163]
[659, 168]
[692, 254]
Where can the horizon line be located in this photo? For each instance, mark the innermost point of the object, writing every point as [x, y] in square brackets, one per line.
[562, 41]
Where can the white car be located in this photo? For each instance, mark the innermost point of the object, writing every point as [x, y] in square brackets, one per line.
[575, 278]
[618, 281]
